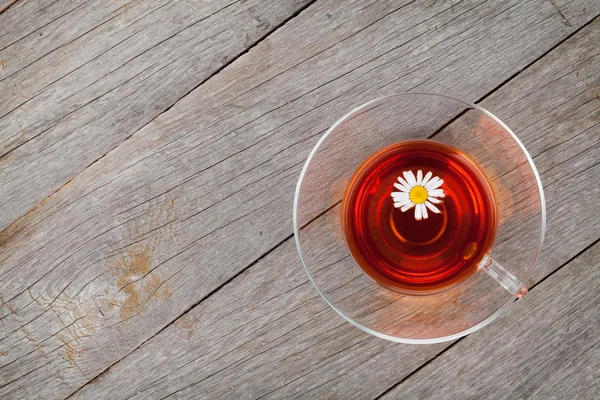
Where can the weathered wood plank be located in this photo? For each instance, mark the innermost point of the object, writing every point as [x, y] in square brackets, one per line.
[97, 71]
[76, 264]
[68, 351]
[549, 350]
[575, 13]
[267, 333]
[14, 27]
[4, 4]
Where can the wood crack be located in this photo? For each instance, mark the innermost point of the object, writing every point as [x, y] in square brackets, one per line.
[562, 16]
[264, 194]
[7, 5]
[225, 65]
[446, 349]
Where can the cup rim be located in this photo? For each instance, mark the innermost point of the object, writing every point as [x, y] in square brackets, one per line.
[492, 316]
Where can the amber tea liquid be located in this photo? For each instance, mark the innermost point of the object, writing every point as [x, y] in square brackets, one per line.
[426, 255]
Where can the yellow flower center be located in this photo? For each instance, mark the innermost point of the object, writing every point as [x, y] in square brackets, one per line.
[418, 195]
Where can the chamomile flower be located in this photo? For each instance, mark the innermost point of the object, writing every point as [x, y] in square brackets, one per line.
[418, 192]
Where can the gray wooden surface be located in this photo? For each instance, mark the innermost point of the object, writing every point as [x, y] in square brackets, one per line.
[149, 152]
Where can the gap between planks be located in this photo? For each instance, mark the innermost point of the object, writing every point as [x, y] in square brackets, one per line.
[269, 251]
[217, 71]
[431, 360]
[277, 27]
[7, 5]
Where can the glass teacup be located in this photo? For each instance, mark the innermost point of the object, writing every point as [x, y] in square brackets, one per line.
[339, 272]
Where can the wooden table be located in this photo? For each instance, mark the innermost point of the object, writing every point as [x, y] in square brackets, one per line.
[148, 156]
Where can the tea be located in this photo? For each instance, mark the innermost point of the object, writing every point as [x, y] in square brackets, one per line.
[418, 216]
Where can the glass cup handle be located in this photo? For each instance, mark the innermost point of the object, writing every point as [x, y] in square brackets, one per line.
[503, 277]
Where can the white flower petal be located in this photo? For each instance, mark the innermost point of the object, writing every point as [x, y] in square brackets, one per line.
[434, 183]
[402, 203]
[437, 193]
[432, 207]
[403, 182]
[431, 183]
[401, 197]
[418, 214]
[407, 207]
[401, 188]
[424, 211]
[426, 179]
[410, 178]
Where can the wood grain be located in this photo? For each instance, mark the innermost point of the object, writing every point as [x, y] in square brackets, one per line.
[123, 250]
[550, 349]
[4, 4]
[268, 334]
[574, 13]
[85, 75]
